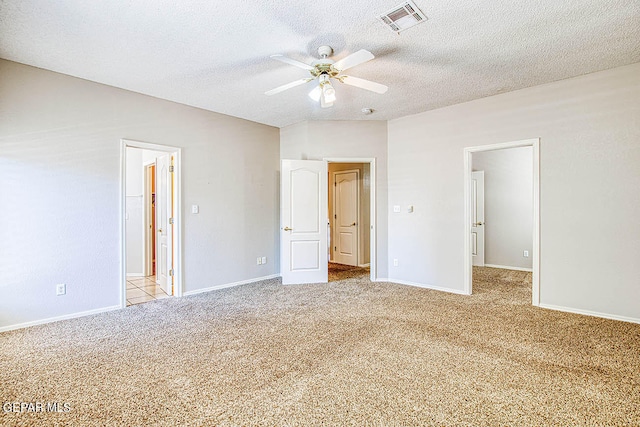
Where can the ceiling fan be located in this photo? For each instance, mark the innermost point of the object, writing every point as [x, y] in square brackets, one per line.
[324, 70]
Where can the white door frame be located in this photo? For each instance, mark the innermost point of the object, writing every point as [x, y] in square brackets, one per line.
[373, 243]
[177, 244]
[468, 268]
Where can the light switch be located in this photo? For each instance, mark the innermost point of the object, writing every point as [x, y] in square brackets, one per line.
[396, 208]
[195, 209]
[410, 209]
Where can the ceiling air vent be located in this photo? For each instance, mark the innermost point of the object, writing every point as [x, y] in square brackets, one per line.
[403, 16]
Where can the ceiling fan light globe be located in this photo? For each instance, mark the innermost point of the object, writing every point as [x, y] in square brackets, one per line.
[329, 93]
[315, 94]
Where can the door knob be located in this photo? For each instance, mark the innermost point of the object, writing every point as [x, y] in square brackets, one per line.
[353, 224]
[159, 230]
[477, 224]
[288, 229]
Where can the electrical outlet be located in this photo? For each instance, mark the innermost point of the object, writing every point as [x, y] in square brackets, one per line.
[259, 261]
[264, 259]
[395, 262]
[525, 254]
[61, 289]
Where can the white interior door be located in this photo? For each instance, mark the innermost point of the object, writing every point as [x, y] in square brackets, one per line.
[345, 217]
[303, 212]
[477, 218]
[164, 252]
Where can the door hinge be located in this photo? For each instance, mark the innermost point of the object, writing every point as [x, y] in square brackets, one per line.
[170, 220]
[335, 184]
[171, 168]
[335, 216]
[335, 248]
[171, 272]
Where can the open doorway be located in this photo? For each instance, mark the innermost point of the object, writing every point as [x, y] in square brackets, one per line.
[305, 219]
[502, 215]
[349, 220]
[150, 222]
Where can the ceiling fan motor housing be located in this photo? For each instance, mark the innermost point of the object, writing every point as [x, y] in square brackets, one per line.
[324, 65]
[320, 67]
[325, 51]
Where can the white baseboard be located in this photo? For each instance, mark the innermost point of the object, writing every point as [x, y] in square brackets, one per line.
[136, 275]
[58, 318]
[506, 267]
[423, 285]
[229, 285]
[364, 265]
[590, 313]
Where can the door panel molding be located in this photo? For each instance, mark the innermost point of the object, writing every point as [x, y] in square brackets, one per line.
[303, 216]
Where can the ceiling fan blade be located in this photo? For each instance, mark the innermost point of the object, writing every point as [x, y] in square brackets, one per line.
[287, 86]
[354, 59]
[293, 62]
[363, 84]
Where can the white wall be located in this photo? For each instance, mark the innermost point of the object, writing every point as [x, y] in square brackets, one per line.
[508, 205]
[134, 208]
[589, 129]
[59, 187]
[315, 140]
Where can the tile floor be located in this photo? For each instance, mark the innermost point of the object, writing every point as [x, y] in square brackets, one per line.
[143, 289]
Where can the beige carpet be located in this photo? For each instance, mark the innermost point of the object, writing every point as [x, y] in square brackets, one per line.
[347, 353]
[341, 272]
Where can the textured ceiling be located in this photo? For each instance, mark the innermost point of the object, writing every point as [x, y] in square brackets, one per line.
[215, 55]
